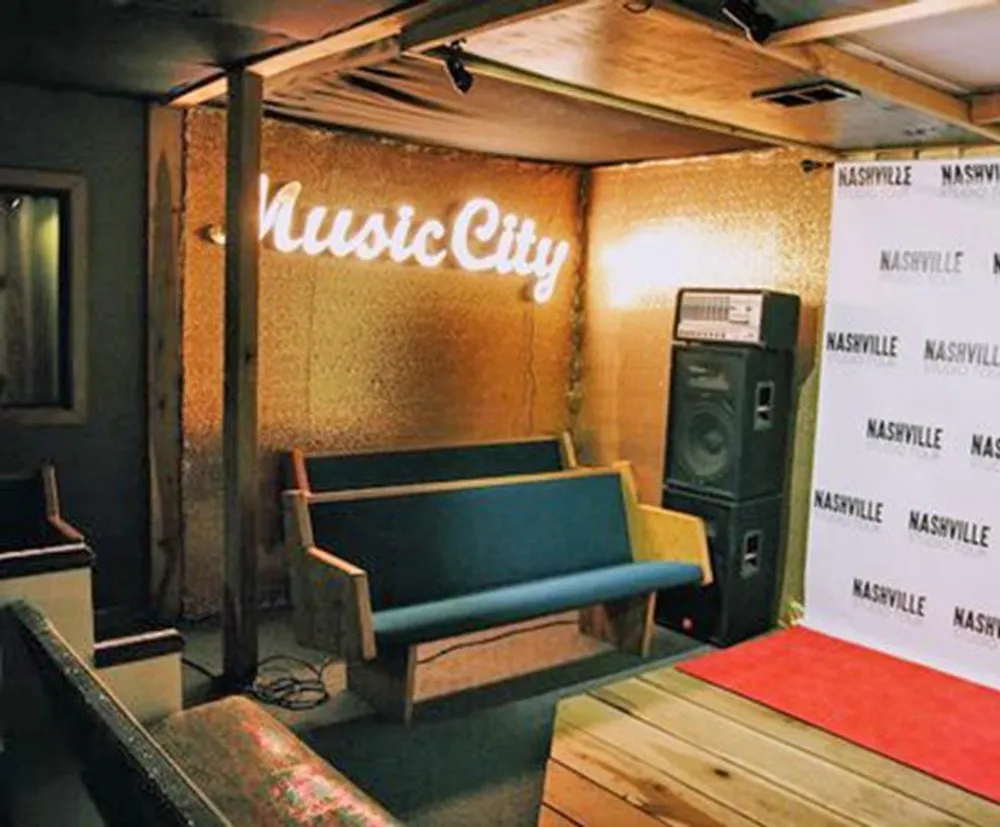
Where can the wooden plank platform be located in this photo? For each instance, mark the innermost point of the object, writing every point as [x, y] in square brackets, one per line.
[667, 749]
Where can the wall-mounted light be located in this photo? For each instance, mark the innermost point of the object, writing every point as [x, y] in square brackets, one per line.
[461, 77]
[757, 26]
[10, 204]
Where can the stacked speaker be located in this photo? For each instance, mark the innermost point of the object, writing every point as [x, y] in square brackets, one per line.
[731, 402]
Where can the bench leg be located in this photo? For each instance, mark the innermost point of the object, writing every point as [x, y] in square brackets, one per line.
[626, 624]
[387, 682]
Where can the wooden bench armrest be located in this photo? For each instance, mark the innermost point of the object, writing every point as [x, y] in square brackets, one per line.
[660, 534]
[344, 568]
[65, 529]
[360, 633]
[674, 536]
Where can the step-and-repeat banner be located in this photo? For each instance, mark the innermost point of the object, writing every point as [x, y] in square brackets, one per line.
[904, 537]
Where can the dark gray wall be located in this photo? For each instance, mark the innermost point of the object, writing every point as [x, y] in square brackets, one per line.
[101, 464]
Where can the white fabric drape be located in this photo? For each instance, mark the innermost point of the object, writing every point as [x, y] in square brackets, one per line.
[29, 300]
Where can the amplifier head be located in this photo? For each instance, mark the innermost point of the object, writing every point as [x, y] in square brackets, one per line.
[756, 318]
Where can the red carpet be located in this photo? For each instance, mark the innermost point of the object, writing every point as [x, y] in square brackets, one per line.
[944, 726]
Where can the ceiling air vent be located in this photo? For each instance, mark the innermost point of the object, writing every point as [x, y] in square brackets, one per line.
[807, 94]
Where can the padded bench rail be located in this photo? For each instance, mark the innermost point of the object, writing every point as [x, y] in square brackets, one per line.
[130, 778]
[317, 473]
[227, 763]
[405, 565]
[259, 773]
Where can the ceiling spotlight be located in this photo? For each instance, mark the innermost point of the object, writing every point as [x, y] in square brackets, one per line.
[461, 77]
[809, 165]
[745, 14]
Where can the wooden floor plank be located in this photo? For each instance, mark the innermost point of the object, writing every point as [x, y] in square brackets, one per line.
[958, 804]
[721, 780]
[548, 817]
[812, 778]
[641, 784]
[588, 804]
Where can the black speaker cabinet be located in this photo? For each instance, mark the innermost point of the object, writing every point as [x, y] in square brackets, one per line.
[727, 434]
[744, 541]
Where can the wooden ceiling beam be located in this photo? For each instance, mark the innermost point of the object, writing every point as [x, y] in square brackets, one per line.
[485, 67]
[986, 108]
[423, 26]
[357, 37]
[848, 24]
[835, 64]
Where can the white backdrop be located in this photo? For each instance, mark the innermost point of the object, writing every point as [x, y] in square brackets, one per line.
[904, 531]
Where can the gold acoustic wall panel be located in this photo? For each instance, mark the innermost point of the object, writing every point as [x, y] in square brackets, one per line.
[736, 221]
[357, 355]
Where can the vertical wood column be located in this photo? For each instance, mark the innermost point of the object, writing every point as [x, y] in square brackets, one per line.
[165, 194]
[239, 600]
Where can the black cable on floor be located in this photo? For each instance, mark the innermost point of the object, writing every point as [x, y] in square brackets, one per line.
[287, 691]
[199, 668]
[502, 636]
[297, 694]
[291, 691]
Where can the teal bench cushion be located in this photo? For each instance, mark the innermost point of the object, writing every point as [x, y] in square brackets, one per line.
[458, 615]
[331, 472]
[425, 547]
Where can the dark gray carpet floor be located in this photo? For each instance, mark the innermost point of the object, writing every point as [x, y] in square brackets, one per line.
[477, 757]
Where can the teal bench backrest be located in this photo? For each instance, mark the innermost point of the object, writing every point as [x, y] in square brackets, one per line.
[331, 472]
[420, 547]
[23, 517]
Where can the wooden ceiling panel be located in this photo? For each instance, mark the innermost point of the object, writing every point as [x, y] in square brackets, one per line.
[413, 100]
[661, 60]
[645, 57]
[959, 47]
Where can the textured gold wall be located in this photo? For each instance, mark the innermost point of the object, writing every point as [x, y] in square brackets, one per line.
[366, 354]
[737, 220]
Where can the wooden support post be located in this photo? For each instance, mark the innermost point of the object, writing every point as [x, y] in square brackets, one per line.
[387, 683]
[239, 600]
[163, 372]
[626, 624]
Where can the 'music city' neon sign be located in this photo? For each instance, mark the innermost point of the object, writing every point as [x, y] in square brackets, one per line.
[514, 248]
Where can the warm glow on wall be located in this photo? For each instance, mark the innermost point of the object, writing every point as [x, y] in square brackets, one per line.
[481, 239]
[655, 260]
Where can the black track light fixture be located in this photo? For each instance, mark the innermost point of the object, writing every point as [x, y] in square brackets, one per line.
[757, 25]
[461, 77]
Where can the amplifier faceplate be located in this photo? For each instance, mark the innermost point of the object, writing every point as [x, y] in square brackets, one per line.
[721, 317]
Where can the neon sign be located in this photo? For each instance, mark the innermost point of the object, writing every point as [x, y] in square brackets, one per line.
[481, 239]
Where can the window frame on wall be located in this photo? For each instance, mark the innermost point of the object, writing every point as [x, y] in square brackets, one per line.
[71, 190]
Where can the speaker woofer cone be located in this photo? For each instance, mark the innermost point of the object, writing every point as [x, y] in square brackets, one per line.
[707, 441]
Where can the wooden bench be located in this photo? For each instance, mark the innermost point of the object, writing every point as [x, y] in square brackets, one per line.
[46, 562]
[377, 572]
[321, 472]
[29, 513]
[226, 764]
[44, 559]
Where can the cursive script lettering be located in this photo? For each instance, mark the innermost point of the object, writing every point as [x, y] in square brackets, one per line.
[482, 239]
